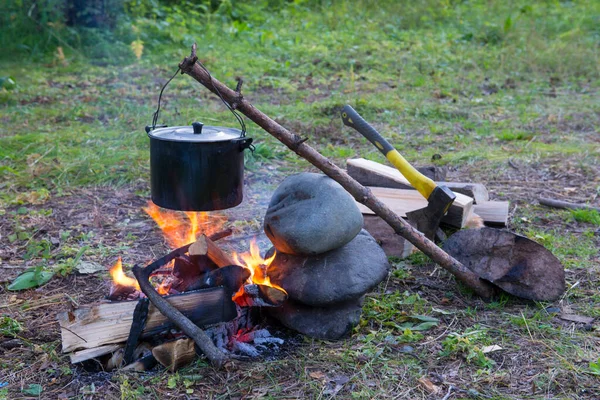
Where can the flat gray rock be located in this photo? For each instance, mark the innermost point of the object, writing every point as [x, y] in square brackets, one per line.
[311, 214]
[328, 323]
[339, 275]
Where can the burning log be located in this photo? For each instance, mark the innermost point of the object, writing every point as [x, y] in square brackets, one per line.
[203, 256]
[191, 67]
[205, 247]
[231, 277]
[122, 293]
[187, 272]
[256, 295]
[175, 354]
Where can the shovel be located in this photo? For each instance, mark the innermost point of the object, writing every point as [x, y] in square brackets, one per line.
[514, 263]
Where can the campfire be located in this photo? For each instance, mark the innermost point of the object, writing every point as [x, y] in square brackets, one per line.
[182, 273]
[313, 281]
[209, 286]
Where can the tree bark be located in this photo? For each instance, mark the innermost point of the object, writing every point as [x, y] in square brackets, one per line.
[363, 195]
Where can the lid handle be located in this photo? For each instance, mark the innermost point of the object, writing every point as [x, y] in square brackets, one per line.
[197, 126]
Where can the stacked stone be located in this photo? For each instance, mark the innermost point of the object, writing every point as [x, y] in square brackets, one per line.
[324, 259]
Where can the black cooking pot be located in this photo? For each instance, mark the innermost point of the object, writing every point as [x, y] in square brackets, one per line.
[197, 168]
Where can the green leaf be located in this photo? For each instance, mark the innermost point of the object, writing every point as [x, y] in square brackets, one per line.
[172, 382]
[33, 389]
[425, 318]
[30, 279]
[7, 82]
[507, 24]
[424, 326]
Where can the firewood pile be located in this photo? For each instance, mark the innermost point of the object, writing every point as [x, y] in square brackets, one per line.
[472, 207]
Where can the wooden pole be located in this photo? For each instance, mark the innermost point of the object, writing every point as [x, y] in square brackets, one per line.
[363, 195]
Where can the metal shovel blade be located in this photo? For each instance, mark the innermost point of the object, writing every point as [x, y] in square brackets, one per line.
[512, 262]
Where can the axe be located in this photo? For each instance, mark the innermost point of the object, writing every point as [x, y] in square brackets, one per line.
[439, 198]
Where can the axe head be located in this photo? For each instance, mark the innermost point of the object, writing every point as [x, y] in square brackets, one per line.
[427, 220]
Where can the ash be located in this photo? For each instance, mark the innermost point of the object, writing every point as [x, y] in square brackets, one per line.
[244, 337]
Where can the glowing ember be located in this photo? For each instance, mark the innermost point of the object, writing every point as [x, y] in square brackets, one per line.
[180, 232]
[119, 277]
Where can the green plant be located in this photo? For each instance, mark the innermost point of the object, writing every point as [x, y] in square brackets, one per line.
[588, 216]
[65, 267]
[9, 326]
[32, 277]
[466, 345]
[595, 367]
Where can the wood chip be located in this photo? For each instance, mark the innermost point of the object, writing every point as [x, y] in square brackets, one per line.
[490, 349]
[429, 386]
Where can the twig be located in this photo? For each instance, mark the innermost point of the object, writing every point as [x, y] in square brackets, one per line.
[566, 204]
[447, 396]
[443, 333]
[363, 195]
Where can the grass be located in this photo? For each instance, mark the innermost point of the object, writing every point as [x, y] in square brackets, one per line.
[505, 92]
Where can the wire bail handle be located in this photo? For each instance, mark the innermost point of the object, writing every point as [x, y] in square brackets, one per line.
[229, 107]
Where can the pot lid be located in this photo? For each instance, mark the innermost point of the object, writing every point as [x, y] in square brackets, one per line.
[197, 132]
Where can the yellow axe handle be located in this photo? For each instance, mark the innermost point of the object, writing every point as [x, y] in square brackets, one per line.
[419, 181]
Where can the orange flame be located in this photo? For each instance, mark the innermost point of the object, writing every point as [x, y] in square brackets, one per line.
[163, 288]
[257, 265]
[119, 277]
[180, 232]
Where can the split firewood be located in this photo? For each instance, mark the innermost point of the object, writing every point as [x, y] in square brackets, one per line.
[492, 212]
[110, 323]
[189, 272]
[175, 354]
[121, 293]
[204, 246]
[402, 201]
[99, 351]
[198, 256]
[477, 191]
[371, 173]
